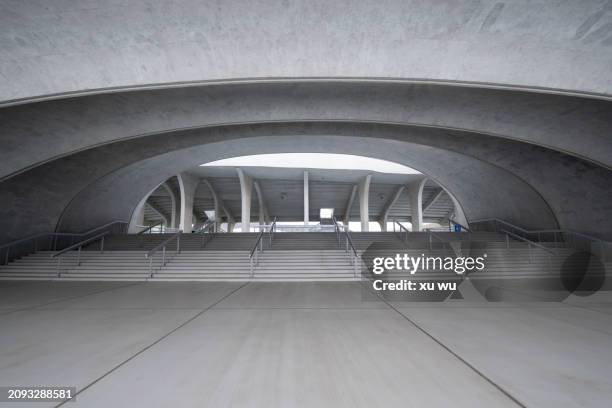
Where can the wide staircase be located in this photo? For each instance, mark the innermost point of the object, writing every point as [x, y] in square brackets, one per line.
[285, 256]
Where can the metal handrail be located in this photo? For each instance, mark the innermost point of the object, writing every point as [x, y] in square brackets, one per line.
[151, 254]
[354, 257]
[81, 243]
[164, 243]
[79, 246]
[53, 236]
[149, 228]
[59, 234]
[400, 231]
[572, 238]
[543, 231]
[272, 230]
[208, 232]
[255, 252]
[530, 242]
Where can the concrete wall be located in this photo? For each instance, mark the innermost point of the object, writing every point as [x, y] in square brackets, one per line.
[57, 46]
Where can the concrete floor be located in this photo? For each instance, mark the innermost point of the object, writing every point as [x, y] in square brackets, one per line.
[298, 345]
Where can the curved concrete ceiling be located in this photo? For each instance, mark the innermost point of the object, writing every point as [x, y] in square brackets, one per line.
[578, 192]
[39, 132]
[479, 187]
[109, 44]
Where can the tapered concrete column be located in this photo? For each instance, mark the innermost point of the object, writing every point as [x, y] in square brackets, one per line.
[188, 185]
[264, 217]
[137, 217]
[216, 202]
[220, 207]
[246, 190]
[173, 200]
[306, 200]
[364, 200]
[138, 214]
[349, 205]
[415, 189]
[458, 211]
[382, 219]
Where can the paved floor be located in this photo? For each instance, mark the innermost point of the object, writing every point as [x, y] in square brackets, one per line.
[299, 345]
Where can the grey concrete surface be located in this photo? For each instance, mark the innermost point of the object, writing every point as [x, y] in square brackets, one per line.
[38, 132]
[511, 199]
[24, 295]
[305, 344]
[545, 356]
[578, 192]
[562, 44]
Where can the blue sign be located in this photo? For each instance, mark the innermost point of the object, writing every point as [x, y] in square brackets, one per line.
[457, 228]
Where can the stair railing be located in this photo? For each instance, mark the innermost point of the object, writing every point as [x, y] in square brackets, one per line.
[208, 233]
[272, 231]
[530, 244]
[79, 246]
[51, 241]
[343, 232]
[403, 232]
[148, 230]
[569, 238]
[254, 254]
[163, 246]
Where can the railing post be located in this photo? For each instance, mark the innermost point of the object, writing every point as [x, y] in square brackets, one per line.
[79, 256]
[8, 250]
[151, 266]
[164, 256]
[507, 241]
[59, 266]
[102, 246]
[178, 244]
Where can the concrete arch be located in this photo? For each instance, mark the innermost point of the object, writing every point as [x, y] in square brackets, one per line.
[37, 133]
[132, 181]
[577, 192]
[145, 44]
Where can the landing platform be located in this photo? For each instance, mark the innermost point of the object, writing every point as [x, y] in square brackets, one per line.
[299, 345]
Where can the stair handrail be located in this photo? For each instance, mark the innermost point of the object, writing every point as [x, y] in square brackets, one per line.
[254, 254]
[208, 232]
[541, 231]
[53, 235]
[573, 235]
[401, 229]
[79, 246]
[272, 231]
[162, 245]
[150, 227]
[353, 256]
[530, 242]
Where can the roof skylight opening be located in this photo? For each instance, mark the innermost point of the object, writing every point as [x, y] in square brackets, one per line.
[315, 161]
